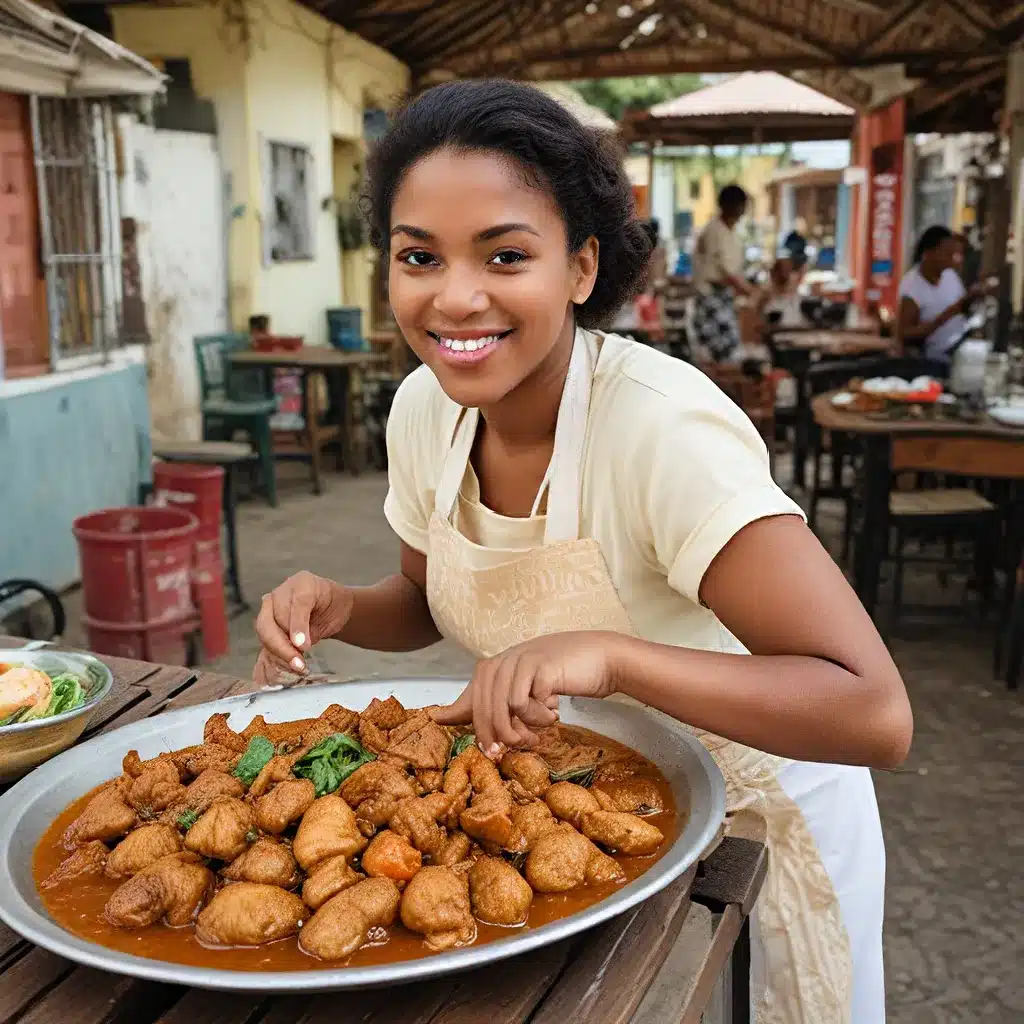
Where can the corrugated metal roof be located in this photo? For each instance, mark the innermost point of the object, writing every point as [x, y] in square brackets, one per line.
[753, 92]
[87, 59]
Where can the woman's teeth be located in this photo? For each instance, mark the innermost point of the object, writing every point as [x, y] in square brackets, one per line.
[470, 345]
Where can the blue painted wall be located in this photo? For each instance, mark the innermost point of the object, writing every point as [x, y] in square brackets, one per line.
[64, 451]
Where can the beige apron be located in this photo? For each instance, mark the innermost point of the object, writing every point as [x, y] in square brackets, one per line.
[489, 600]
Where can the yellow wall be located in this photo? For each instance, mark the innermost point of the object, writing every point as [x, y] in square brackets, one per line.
[299, 79]
[753, 173]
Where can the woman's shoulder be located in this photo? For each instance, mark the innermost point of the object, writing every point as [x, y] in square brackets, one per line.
[422, 416]
[645, 387]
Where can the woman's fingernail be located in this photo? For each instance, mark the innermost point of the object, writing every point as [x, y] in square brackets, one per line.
[493, 750]
[299, 639]
[298, 664]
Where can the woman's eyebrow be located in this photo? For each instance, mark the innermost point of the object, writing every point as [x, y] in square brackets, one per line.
[488, 234]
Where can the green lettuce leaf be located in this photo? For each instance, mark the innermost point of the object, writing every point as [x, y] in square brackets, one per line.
[331, 762]
[259, 751]
[66, 694]
[462, 743]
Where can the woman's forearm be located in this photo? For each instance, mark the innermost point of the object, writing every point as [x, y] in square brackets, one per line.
[391, 615]
[800, 707]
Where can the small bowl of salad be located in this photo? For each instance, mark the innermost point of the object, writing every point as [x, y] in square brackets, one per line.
[46, 700]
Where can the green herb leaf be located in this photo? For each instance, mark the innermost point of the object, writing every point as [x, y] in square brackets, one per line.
[516, 859]
[67, 694]
[463, 743]
[188, 819]
[331, 762]
[582, 775]
[254, 760]
[251, 836]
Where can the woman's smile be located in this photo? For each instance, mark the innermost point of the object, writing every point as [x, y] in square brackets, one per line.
[464, 347]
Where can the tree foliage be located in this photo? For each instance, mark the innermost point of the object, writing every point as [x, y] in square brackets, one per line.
[617, 95]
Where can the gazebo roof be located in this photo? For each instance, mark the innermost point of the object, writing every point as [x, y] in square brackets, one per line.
[755, 106]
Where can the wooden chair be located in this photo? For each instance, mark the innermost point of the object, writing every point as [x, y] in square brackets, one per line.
[954, 512]
[232, 401]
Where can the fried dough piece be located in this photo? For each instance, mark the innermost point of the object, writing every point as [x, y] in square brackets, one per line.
[420, 742]
[390, 855]
[532, 820]
[375, 790]
[488, 820]
[456, 849]
[351, 919]
[638, 794]
[224, 831]
[499, 894]
[416, 818]
[563, 859]
[277, 770]
[156, 789]
[436, 904]
[86, 861]
[329, 877]
[266, 862]
[106, 816]
[624, 833]
[249, 914]
[218, 731]
[139, 849]
[528, 770]
[172, 889]
[327, 829]
[570, 802]
[286, 803]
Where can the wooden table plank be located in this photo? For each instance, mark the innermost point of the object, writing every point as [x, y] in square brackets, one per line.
[29, 979]
[198, 1006]
[734, 873]
[607, 979]
[88, 996]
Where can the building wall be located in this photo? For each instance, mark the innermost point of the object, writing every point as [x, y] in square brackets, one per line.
[70, 443]
[299, 79]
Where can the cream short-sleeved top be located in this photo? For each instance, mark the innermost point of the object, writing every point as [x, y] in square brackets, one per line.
[672, 470]
[718, 255]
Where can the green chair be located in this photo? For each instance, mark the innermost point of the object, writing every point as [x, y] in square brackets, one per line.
[233, 399]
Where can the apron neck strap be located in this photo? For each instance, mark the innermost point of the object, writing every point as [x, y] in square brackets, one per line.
[563, 479]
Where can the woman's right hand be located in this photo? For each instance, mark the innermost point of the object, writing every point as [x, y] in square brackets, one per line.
[301, 612]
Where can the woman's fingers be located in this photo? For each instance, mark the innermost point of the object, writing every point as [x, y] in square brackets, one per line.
[459, 713]
[273, 636]
[496, 704]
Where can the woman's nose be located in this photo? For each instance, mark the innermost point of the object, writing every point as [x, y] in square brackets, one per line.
[460, 296]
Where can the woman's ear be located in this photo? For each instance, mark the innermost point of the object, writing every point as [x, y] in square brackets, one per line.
[586, 271]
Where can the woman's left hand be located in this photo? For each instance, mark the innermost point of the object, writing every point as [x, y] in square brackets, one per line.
[517, 691]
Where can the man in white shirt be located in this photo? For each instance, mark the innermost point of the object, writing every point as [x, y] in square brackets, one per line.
[718, 276]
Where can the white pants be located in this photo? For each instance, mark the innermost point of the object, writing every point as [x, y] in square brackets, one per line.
[838, 804]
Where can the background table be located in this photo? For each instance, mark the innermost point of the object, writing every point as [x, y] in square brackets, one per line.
[599, 977]
[338, 367]
[984, 448]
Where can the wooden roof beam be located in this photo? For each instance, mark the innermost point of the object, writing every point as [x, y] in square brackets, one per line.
[791, 38]
[904, 14]
[925, 101]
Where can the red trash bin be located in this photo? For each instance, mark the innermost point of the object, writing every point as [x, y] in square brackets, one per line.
[137, 581]
[200, 489]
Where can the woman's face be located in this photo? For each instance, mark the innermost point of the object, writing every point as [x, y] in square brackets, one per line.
[481, 280]
[944, 255]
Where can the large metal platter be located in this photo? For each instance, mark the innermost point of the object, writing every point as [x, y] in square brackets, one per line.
[28, 808]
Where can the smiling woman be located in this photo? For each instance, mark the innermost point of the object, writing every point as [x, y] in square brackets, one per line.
[591, 517]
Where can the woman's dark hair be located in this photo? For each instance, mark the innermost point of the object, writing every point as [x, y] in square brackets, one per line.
[931, 239]
[580, 166]
[732, 197]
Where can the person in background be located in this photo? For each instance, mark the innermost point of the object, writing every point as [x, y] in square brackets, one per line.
[933, 299]
[780, 303]
[718, 278]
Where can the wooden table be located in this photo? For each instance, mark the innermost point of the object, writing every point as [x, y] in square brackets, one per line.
[338, 367]
[981, 449]
[796, 351]
[600, 977]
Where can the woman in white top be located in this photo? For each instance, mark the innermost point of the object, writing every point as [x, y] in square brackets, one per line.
[933, 300]
[591, 517]
[718, 278]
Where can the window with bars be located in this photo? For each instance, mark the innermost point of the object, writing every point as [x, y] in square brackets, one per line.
[80, 227]
[288, 222]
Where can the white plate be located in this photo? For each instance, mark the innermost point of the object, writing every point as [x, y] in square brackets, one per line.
[842, 399]
[1008, 415]
[28, 809]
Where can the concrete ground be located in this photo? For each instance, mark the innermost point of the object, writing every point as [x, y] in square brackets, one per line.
[953, 816]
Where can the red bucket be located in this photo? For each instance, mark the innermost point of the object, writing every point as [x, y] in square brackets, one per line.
[208, 594]
[137, 565]
[192, 488]
[165, 644]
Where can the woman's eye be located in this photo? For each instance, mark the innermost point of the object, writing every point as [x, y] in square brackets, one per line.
[508, 258]
[416, 258]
